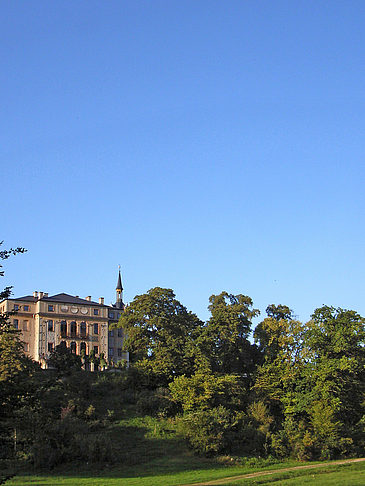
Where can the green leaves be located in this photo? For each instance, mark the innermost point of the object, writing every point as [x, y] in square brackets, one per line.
[161, 331]
[227, 331]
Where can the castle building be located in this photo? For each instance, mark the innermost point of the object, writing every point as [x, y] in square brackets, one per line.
[80, 324]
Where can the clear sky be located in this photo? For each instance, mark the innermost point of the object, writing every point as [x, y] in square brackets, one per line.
[203, 145]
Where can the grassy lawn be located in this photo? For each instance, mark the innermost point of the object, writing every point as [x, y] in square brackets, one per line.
[344, 475]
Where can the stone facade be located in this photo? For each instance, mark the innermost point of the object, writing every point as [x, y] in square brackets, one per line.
[47, 321]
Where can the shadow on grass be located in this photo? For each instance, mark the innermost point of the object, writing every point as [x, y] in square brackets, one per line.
[135, 453]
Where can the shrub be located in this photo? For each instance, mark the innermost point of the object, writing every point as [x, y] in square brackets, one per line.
[204, 390]
[208, 431]
[156, 402]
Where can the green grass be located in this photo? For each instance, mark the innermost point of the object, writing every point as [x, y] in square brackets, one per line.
[344, 475]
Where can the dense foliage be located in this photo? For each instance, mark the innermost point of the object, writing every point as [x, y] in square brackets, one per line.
[298, 391]
[295, 390]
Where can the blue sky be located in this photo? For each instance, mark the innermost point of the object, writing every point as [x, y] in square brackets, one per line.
[202, 145]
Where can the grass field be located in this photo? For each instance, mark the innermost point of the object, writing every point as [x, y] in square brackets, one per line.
[344, 475]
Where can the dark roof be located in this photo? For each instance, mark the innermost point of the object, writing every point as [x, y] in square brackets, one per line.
[70, 299]
[119, 284]
[28, 298]
[67, 298]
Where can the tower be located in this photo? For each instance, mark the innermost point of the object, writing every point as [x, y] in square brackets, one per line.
[119, 292]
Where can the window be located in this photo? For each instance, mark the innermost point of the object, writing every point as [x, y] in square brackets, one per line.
[111, 351]
[25, 325]
[50, 347]
[73, 347]
[111, 315]
[16, 307]
[96, 349]
[96, 328]
[111, 333]
[73, 328]
[119, 352]
[26, 308]
[63, 344]
[50, 326]
[16, 323]
[26, 346]
[96, 312]
[120, 332]
[50, 308]
[83, 348]
[83, 329]
[63, 329]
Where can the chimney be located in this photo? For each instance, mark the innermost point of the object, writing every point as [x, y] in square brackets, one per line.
[101, 300]
[35, 293]
[40, 295]
[45, 294]
[88, 298]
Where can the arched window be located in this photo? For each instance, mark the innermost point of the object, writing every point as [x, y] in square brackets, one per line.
[82, 347]
[73, 328]
[83, 329]
[73, 347]
[63, 328]
[63, 344]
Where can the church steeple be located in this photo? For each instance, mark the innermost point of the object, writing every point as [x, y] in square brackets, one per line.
[119, 292]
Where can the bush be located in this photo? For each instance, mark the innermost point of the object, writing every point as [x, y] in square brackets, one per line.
[155, 403]
[208, 431]
[204, 390]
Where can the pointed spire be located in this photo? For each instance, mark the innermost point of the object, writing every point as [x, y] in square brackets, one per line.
[119, 284]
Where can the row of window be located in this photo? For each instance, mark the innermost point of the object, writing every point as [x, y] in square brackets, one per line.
[25, 325]
[51, 308]
[26, 308]
[73, 347]
[72, 327]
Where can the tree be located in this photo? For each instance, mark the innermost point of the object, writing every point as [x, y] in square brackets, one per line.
[16, 370]
[313, 380]
[225, 338]
[203, 391]
[160, 333]
[336, 339]
[282, 341]
[14, 365]
[269, 333]
[63, 360]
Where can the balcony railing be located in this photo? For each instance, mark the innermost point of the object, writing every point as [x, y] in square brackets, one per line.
[79, 336]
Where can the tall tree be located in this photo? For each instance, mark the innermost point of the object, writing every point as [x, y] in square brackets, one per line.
[13, 362]
[336, 338]
[274, 328]
[281, 339]
[226, 334]
[160, 333]
[16, 370]
[313, 380]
